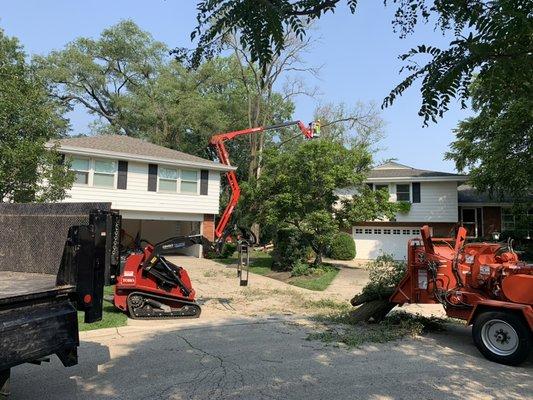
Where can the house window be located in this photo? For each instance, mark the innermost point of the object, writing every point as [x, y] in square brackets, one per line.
[508, 220]
[386, 231]
[396, 231]
[403, 192]
[104, 173]
[189, 182]
[406, 231]
[80, 167]
[368, 231]
[358, 230]
[381, 187]
[168, 179]
[377, 231]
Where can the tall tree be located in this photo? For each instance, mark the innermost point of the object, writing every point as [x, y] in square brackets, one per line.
[300, 189]
[259, 86]
[102, 74]
[492, 41]
[29, 171]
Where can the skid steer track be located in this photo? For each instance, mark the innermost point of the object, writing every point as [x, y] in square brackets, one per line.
[150, 306]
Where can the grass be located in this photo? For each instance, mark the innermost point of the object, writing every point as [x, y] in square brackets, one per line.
[339, 328]
[112, 316]
[318, 282]
[261, 264]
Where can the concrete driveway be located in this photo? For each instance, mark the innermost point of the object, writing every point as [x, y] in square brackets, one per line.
[264, 358]
[239, 350]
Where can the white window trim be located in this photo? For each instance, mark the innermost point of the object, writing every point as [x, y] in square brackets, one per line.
[178, 181]
[159, 190]
[115, 174]
[410, 191]
[187, 180]
[79, 170]
[91, 172]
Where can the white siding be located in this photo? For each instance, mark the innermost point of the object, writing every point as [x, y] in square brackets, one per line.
[137, 197]
[438, 203]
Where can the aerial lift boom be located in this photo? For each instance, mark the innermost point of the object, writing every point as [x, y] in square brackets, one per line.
[218, 141]
[150, 286]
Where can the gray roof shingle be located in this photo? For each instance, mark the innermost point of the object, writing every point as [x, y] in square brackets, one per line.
[138, 147]
[469, 194]
[396, 170]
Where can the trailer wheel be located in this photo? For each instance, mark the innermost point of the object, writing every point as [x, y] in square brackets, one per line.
[502, 337]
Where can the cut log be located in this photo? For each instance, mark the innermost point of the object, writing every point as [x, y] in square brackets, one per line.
[372, 311]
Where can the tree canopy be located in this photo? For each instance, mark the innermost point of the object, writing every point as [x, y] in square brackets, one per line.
[29, 118]
[492, 45]
[128, 80]
[300, 189]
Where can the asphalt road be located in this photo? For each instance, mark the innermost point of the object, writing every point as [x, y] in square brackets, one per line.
[268, 359]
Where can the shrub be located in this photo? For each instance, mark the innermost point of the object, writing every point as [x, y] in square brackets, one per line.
[289, 248]
[343, 247]
[385, 274]
[300, 268]
[228, 249]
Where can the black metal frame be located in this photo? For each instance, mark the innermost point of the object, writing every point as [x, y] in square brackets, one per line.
[40, 324]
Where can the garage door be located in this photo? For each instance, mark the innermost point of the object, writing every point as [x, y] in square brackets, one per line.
[370, 242]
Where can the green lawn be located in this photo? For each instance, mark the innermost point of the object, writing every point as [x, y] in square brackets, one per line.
[318, 283]
[261, 264]
[112, 316]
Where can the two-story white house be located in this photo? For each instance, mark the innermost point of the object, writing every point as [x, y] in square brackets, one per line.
[433, 199]
[159, 192]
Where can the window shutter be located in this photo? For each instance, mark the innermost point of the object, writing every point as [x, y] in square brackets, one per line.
[204, 181]
[152, 177]
[416, 192]
[122, 178]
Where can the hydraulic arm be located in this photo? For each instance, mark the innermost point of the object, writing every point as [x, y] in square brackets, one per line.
[218, 141]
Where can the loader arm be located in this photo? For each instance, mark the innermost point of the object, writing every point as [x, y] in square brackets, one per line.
[218, 141]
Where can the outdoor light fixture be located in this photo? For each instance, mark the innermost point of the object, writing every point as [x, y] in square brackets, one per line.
[496, 235]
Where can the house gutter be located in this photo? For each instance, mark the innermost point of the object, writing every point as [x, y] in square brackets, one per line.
[82, 151]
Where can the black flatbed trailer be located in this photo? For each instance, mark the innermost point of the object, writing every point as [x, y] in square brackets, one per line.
[20, 286]
[70, 252]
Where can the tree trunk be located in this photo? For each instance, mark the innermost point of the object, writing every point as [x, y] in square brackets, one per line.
[372, 311]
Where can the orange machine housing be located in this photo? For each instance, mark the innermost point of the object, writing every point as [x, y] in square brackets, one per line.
[465, 278]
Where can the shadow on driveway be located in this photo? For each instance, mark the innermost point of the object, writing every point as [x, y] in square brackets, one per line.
[270, 359]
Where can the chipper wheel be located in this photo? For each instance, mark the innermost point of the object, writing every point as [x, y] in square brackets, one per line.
[502, 337]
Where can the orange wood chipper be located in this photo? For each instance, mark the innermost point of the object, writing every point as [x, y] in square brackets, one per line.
[482, 283]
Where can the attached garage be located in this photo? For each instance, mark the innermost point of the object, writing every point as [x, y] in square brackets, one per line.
[156, 227]
[373, 241]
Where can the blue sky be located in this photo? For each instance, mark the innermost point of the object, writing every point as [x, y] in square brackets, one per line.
[358, 53]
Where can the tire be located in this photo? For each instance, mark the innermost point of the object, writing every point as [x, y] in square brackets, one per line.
[502, 337]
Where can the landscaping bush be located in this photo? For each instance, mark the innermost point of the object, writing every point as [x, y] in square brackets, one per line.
[289, 248]
[228, 249]
[300, 268]
[343, 247]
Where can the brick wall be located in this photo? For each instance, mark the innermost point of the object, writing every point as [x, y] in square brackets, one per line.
[208, 226]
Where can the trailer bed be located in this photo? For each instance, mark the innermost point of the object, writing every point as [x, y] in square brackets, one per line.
[15, 286]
